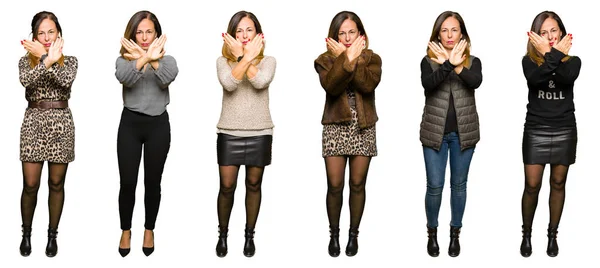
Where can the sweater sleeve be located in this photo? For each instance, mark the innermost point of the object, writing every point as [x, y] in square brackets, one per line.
[536, 75]
[226, 79]
[432, 79]
[265, 73]
[472, 76]
[568, 71]
[166, 72]
[126, 72]
[334, 73]
[367, 73]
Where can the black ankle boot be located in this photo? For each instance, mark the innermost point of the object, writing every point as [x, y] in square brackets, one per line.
[52, 246]
[552, 250]
[222, 243]
[352, 247]
[526, 243]
[25, 247]
[249, 248]
[148, 250]
[433, 249]
[454, 248]
[125, 251]
[334, 241]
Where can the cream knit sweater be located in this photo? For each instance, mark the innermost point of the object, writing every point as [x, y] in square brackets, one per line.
[245, 102]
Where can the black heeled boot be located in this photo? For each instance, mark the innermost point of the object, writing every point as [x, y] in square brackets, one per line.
[25, 247]
[52, 246]
[249, 248]
[148, 250]
[125, 251]
[433, 249]
[222, 243]
[526, 243]
[454, 248]
[552, 249]
[352, 247]
[334, 241]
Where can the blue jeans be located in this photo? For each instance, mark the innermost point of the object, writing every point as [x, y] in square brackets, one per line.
[435, 165]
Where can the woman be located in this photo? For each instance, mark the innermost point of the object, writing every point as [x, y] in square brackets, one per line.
[245, 129]
[349, 72]
[47, 132]
[146, 73]
[550, 132]
[450, 124]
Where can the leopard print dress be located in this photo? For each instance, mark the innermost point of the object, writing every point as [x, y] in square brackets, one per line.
[48, 134]
[348, 138]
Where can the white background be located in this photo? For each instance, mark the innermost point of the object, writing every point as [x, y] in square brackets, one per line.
[292, 229]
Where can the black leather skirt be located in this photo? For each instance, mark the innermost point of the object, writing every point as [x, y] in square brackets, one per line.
[249, 151]
[549, 145]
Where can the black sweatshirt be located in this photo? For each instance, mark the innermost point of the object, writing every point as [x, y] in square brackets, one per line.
[551, 90]
[431, 80]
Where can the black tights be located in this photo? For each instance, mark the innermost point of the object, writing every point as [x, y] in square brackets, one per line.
[533, 183]
[336, 167]
[32, 173]
[228, 178]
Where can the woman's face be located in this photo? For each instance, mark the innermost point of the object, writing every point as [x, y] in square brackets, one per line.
[245, 30]
[551, 31]
[145, 34]
[46, 33]
[450, 33]
[348, 32]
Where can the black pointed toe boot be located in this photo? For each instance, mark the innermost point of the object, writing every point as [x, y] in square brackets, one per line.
[334, 241]
[222, 243]
[552, 249]
[52, 246]
[25, 247]
[352, 247]
[526, 242]
[249, 248]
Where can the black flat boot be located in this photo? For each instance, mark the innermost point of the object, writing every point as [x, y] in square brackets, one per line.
[334, 241]
[125, 251]
[52, 246]
[552, 249]
[454, 248]
[148, 250]
[433, 249]
[249, 248]
[526, 243]
[352, 247]
[222, 243]
[25, 247]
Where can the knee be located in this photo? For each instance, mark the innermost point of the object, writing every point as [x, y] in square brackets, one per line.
[557, 184]
[56, 185]
[357, 186]
[31, 187]
[459, 187]
[335, 187]
[253, 185]
[227, 188]
[532, 188]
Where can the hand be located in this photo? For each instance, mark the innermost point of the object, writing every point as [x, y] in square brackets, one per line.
[55, 51]
[356, 48]
[441, 55]
[34, 48]
[253, 47]
[156, 49]
[234, 45]
[134, 51]
[457, 55]
[542, 45]
[335, 47]
[565, 44]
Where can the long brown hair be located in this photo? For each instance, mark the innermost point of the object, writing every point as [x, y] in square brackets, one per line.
[536, 27]
[337, 21]
[35, 26]
[437, 27]
[231, 29]
[133, 24]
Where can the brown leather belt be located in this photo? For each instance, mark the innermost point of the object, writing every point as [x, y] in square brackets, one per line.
[49, 104]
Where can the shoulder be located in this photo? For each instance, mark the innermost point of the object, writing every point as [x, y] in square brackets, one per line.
[268, 60]
[71, 60]
[574, 59]
[24, 60]
[325, 59]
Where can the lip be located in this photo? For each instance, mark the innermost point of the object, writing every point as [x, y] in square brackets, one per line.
[347, 45]
[145, 44]
[47, 44]
[551, 43]
[244, 42]
[450, 42]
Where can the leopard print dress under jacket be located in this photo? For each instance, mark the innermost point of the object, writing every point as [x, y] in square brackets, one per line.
[348, 138]
[48, 134]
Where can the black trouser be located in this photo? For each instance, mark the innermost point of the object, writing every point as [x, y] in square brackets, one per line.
[154, 132]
